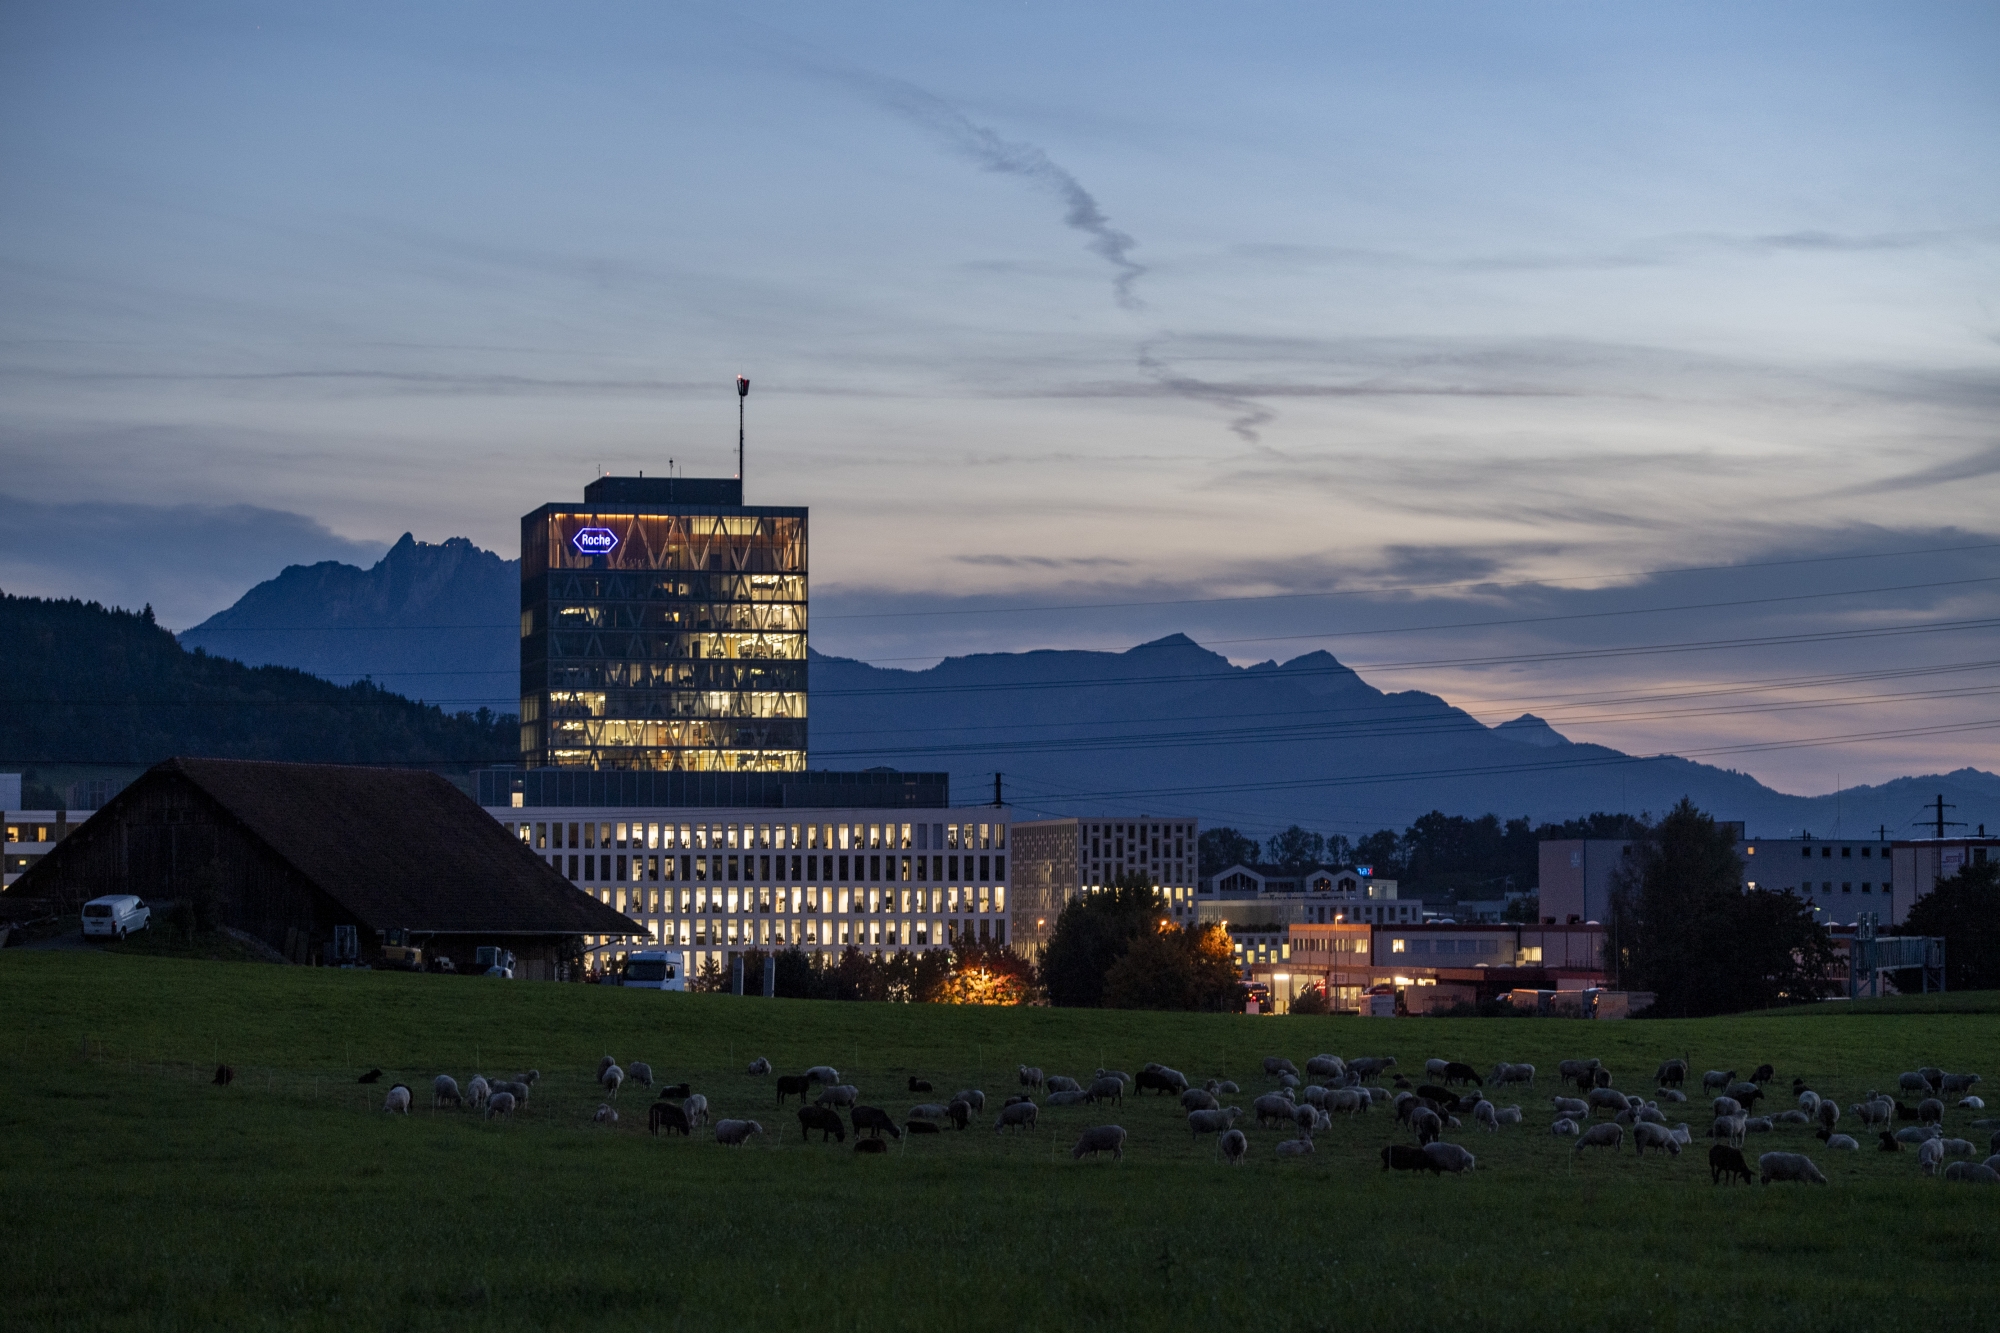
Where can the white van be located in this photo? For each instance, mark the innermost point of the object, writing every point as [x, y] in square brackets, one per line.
[655, 969]
[115, 915]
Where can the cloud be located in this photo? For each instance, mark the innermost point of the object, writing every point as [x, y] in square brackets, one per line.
[1042, 561]
[188, 561]
[986, 149]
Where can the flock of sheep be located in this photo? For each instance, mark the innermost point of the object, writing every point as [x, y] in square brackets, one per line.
[1451, 1094]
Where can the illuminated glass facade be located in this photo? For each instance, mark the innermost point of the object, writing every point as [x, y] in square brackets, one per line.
[663, 627]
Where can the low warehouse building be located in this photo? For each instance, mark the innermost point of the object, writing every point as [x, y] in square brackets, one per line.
[318, 860]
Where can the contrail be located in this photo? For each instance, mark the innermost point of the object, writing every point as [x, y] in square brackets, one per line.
[993, 153]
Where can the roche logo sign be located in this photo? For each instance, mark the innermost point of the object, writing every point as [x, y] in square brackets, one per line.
[595, 541]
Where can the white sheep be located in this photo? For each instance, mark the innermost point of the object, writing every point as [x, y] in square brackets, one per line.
[1434, 1069]
[1213, 1121]
[605, 1115]
[444, 1088]
[972, 1097]
[1351, 1100]
[1957, 1082]
[1792, 1118]
[1426, 1124]
[1072, 1097]
[1607, 1099]
[1919, 1133]
[1449, 1157]
[1307, 1119]
[1758, 1124]
[1828, 1113]
[1315, 1095]
[1930, 1155]
[604, 1064]
[844, 1094]
[759, 1067]
[1485, 1113]
[1118, 1074]
[1869, 1113]
[1021, 1115]
[1731, 1128]
[1563, 1127]
[1110, 1088]
[612, 1078]
[735, 1133]
[1061, 1083]
[1972, 1173]
[1913, 1082]
[826, 1074]
[1504, 1073]
[1601, 1136]
[1234, 1145]
[1272, 1106]
[500, 1104]
[1647, 1135]
[1031, 1077]
[1570, 1107]
[1278, 1064]
[1971, 1104]
[640, 1072]
[695, 1108]
[1957, 1148]
[1295, 1148]
[1508, 1115]
[1842, 1143]
[1101, 1138]
[1809, 1102]
[531, 1078]
[1723, 1106]
[517, 1087]
[1717, 1078]
[927, 1111]
[1326, 1066]
[1198, 1099]
[398, 1099]
[478, 1091]
[1673, 1095]
[1792, 1166]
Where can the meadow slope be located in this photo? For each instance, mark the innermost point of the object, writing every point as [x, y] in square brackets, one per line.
[139, 1196]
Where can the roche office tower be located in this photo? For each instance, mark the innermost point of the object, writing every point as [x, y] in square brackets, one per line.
[663, 628]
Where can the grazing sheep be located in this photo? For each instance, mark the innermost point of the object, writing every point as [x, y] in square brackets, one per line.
[1956, 1147]
[1396, 1157]
[918, 1085]
[1504, 1073]
[843, 1094]
[1730, 1127]
[823, 1119]
[1101, 1138]
[641, 1073]
[1757, 1124]
[1809, 1102]
[1726, 1106]
[1212, 1122]
[1278, 1064]
[1461, 1073]
[695, 1107]
[1307, 1119]
[1870, 1112]
[1792, 1118]
[1434, 1068]
[1118, 1074]
[1289, 1082]
[1913, 1082]
[1427, 1124]
[1727, 1164]
[1972, 1173]
[1649, 1114]
[1449, 1157]
[1607, 1099]
[1673, 1095]
[1161, 1079]
[1234, 1145]
[518, 1088]
[826, 1074]
[1842, 1143]
[1018, 1097]
[1929, 1156]
[605, 1115]
[1061, 1083]
[1570, 1106]
[1717, 1079]
[875, 1121]
[1957, 1082]
[1917, 1134]
[1031, 1077]
[972, 1097]
[1109, 1089]
[1886, 1142]
[1671, 1073]
[1021, 1115]
[1764, 1074]
[667, 1116]
[1074, 1097]
[500, 1104]
[959, 1113]
[398, 1099]
[795, 1085]
[735, 1133]
[1226, 1088]
[1295, 1148]
[478, 1091]
[1791, 1166]
[1326, 1066]
[1351, 1100]
[1564, 1127]
[1657, 1137]
[1971, 1104]
[1744, 1091]
[1601, 1136]
[679, 1092]
[1272, 1106]
[759, 1067]
[1485, 1113]
[612, 1079]
[372, 1076]
[444, 1090]
[870, 1146]
[1930, 1111]
[920, 1127]
[928, 1111]
[1370, 1067]
[603, 1065]
[1828, 1113]
[1508, 1115]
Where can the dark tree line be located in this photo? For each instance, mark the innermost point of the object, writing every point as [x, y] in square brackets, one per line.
[966, 974]
[1118, 948]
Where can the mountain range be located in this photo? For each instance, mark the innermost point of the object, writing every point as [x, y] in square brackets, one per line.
[1164, 727]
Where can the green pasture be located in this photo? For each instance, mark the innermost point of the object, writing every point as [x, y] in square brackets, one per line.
[137, 1195]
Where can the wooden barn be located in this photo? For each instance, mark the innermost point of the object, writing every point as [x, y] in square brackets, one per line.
[292, 853]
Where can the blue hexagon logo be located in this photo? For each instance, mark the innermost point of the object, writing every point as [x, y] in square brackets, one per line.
[594, 541]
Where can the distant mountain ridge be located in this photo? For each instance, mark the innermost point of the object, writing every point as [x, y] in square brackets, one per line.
[1171, 727]
[436, 621]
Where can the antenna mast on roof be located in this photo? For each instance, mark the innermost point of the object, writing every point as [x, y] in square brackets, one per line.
[742, 392]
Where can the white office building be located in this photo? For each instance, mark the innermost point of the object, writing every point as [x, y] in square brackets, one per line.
[719, 882]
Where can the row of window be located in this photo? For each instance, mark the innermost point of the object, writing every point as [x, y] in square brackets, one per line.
[812, 933]
[810, 901]
[918, 869]
[776, 837]
[1826, 888]
[1485, 945]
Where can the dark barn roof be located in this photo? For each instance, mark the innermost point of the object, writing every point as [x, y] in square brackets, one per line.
[395, 847]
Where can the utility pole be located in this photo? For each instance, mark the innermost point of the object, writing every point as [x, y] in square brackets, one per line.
[996, 790]
[742, 392]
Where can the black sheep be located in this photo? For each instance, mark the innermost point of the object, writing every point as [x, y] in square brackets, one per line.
[372, 1076]
[665, 1115]
[1888, 1142]
[1460, 1073]
[1437, 1096]
[875, 1121]
[224, 1076]
[1157, 1081]
[960, 1114]
[1726, 1163]
[1906, 1112]
[871, 1145]
[1764, 1074]
[792, 1085]
[680, 1092]
[921, 1127]
[919, 1085]
[824, 1119]
[1401, 1157]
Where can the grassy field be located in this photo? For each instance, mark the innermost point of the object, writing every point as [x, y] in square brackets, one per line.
[136, 1195]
